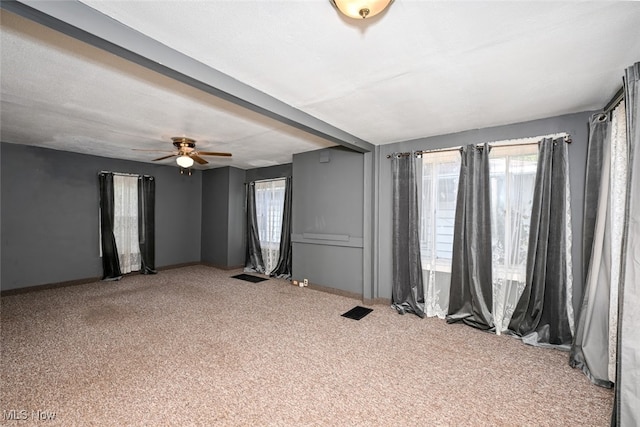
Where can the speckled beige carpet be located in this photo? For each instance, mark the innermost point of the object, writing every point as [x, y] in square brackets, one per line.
[193, 346]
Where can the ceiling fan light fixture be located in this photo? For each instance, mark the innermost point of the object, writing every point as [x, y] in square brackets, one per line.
[184, 161]
[361, 9]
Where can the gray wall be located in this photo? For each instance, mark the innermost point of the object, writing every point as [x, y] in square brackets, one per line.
[271, 172]
[236, 222]
[215, 216]
[223, 220]
[50, 204]
[327, 229]
[574, 124]
[49, 212]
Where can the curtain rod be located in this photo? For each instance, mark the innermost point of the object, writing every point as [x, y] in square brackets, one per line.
[567, 139]
[125, 174]
[268, 180]
[617, 99]
[420, 152]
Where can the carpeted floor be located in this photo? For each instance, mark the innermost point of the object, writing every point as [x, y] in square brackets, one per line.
[192, 346]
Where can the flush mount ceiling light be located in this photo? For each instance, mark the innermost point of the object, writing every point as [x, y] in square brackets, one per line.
[361, 8]
[185, 161]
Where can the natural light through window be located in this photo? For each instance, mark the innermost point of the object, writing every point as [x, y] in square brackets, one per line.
[512, 166]
[513, 173]
[269, 209]
[125, 224]
[440, 174]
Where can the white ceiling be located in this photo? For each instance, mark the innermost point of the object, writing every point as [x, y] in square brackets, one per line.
[419, 69]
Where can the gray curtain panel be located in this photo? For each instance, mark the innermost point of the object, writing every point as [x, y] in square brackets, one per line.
[471, 293]
[541, 316]
[627, 398]
[253, 258]
[110, 262]
[590, 347]
[598, 131]
[283, 269]
[407, 289]
[147, 224]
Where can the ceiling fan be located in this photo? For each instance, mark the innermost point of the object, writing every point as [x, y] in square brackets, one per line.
[187, 153]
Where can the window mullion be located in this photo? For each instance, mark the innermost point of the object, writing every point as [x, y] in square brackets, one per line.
[507, 216]
[435, 174]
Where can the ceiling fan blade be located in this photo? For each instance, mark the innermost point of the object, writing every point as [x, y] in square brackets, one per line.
[165, 157]
[153, 151]
[213, 153]
[198, 159]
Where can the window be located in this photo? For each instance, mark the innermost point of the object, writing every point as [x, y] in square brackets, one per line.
[513, 166]
[440, 174]
[513, 173]
[269, 210]
[125, 223]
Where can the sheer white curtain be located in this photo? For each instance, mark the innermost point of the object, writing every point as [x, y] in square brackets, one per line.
[125, 225]
[269, 210]
[513, 173]
[440, 175]
[618, 191]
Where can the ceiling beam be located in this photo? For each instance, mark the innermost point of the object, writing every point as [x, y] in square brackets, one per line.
[86, 24]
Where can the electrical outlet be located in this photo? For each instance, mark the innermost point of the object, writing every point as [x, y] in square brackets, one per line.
[305, 282]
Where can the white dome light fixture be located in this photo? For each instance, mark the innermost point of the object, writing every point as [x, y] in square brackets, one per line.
[361, 9]
[184, 161]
